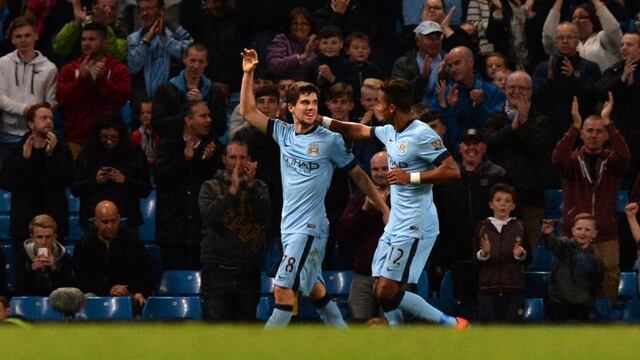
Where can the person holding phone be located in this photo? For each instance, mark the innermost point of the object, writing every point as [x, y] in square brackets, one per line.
[43, 264]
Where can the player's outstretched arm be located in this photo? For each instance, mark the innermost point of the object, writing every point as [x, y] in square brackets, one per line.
[447, 171]
[351, 131]
[248, 108]
[365, 184]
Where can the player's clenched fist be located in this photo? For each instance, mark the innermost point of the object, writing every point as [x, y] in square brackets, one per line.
[397, 176]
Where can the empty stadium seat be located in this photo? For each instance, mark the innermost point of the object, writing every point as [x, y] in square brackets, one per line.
[74, 202]
[542, 259]
[533, 309]
[9, 266]
[266, 284]
[107, 308]
[179, 282]
[5, 202]
[36, 308]
[75, 230]
[338, 283]
[446, 297]
[70, 249]
[172, 308]
[4, 227]
[553, 200]
[147, 230]
[537, 283]
[628, 286]
[602, 310]
[306, 310]
[264, 308]
[631, 311]
[423, 286]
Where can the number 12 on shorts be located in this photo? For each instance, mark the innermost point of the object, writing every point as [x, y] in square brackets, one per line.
[395, 256]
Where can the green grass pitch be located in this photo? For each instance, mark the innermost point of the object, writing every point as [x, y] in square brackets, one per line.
[199, 341]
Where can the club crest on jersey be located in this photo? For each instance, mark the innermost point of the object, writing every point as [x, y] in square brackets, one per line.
[437, 144]
[313, 150]
[402, 148]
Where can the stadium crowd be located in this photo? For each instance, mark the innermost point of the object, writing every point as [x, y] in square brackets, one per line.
[528, 95]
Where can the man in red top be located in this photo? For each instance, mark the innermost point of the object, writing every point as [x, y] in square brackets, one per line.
[91, 85]
[591, 177]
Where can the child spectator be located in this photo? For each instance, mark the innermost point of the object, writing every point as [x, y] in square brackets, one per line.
[494, 62]
[330, 66]
[577, 272]
[358, 49]
[369, 102]
[145, 136]
[500, 79]
[502, 248]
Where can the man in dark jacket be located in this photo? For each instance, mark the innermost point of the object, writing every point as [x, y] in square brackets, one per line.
[36, 172]
[591, 177]
[623, 80]
[519, 139]
[184, 162]
[563, 76]
[235, 211]
[110, 262]
[190, 85]
[461, 205]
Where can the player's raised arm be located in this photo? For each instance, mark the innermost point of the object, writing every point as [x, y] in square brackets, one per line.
[351, 131]
[248, 108]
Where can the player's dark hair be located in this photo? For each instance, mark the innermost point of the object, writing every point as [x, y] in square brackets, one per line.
[329, 31]
[30, 116]
[269, 90]
[300, 88]
[97, 27]
[339, 90]
[503, 188]
[399, 93]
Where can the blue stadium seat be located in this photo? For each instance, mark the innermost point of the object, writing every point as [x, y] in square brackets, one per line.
[533, 309]
[4, 227]
[126, 115]
[172, 308]
[266, 284]
[5, 202]
[537, 283]
[602, 310]
[628, 286]
[9, 266]
[107, 308]
[74, 202]
[631, 311]
[179, 282]
[70, 249]
[623, 200]
[75, 230]
[147, 230]
[553, 200]
[264, 308]
[542, 259]
[155, 258]
[446, 296]
[338, 284]
[423, 286]
[35, 308]
[306, 310]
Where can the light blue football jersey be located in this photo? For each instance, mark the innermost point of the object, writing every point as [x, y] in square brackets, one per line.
[307, 162]
[416, 148]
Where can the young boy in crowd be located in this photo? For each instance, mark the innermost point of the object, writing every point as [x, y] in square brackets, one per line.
[330, 66]
[502, 250]
[145, 136]
[577, 272]
[369, 101]
[358, 49]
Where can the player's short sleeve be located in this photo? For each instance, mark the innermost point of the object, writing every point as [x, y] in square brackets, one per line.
[431, 147]
[277, 129]
[341, 155]
[380, 132]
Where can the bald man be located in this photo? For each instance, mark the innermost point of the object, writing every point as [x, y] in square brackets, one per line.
[360, 228]
[469, 99]
[110, 262]
[518, 138]
[565, 75]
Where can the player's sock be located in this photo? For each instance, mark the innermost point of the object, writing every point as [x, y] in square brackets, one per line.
[280, 317]
[329, 312]
[418, 307]
[392, 312]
